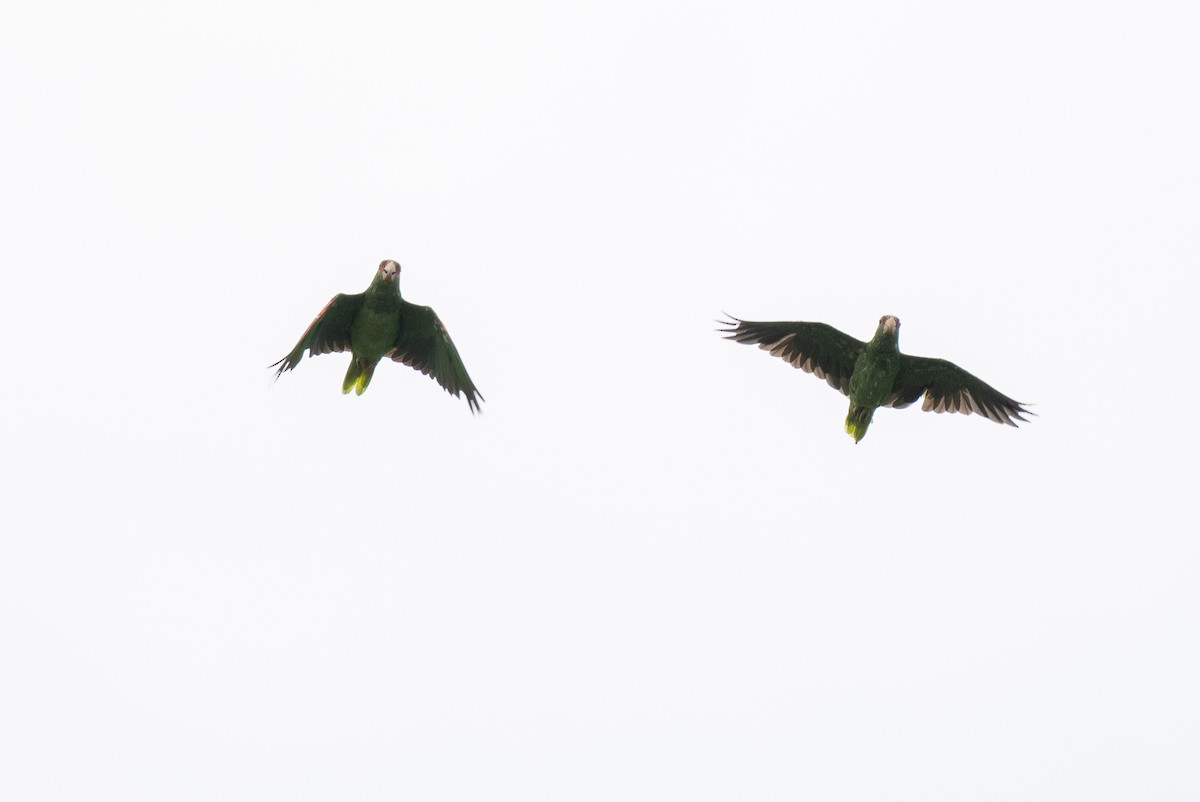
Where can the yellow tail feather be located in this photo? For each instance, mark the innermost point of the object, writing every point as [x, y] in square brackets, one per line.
[353, 375]
[857, 428]
[357, 378]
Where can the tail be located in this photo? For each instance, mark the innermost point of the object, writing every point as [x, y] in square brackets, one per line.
[358, 377]
[857, 421]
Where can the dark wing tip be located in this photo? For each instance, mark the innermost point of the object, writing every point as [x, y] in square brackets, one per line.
[729, 326]
[1019, 410]
[283, 365]
[748, 332]
[1009, 410]
[473, 397]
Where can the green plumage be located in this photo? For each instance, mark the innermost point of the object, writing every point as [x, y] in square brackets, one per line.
[379, 323]
[875, 374]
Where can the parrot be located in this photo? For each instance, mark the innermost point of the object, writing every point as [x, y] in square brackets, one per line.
[875, 374]
[379, 323]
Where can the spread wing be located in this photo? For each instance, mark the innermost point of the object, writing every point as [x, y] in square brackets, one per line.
[815, 348]
[329, 331]
[949, 388]
[424, 344]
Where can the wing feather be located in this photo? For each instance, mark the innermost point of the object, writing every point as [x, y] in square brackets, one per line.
[949, 388]
[424, 345]
[815, 348]
[328, 333]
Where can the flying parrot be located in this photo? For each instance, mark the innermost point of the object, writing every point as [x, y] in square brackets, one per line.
[875, 374]
[379, 323]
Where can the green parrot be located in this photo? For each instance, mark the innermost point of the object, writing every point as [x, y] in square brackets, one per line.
[379, 323]
[876, 374]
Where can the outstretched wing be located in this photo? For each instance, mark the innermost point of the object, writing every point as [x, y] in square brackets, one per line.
[424, 344]
[329, 331]
[949, 388]
[815, 348]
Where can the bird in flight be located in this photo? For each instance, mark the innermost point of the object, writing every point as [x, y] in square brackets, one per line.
[379, 323]
[875, 374]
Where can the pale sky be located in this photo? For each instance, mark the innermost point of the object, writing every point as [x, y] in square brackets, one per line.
[655, 567]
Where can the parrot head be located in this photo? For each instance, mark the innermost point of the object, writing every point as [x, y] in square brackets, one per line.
[389, 270]
[888, 331]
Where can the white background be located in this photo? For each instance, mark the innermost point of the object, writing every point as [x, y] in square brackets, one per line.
[656, 567]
